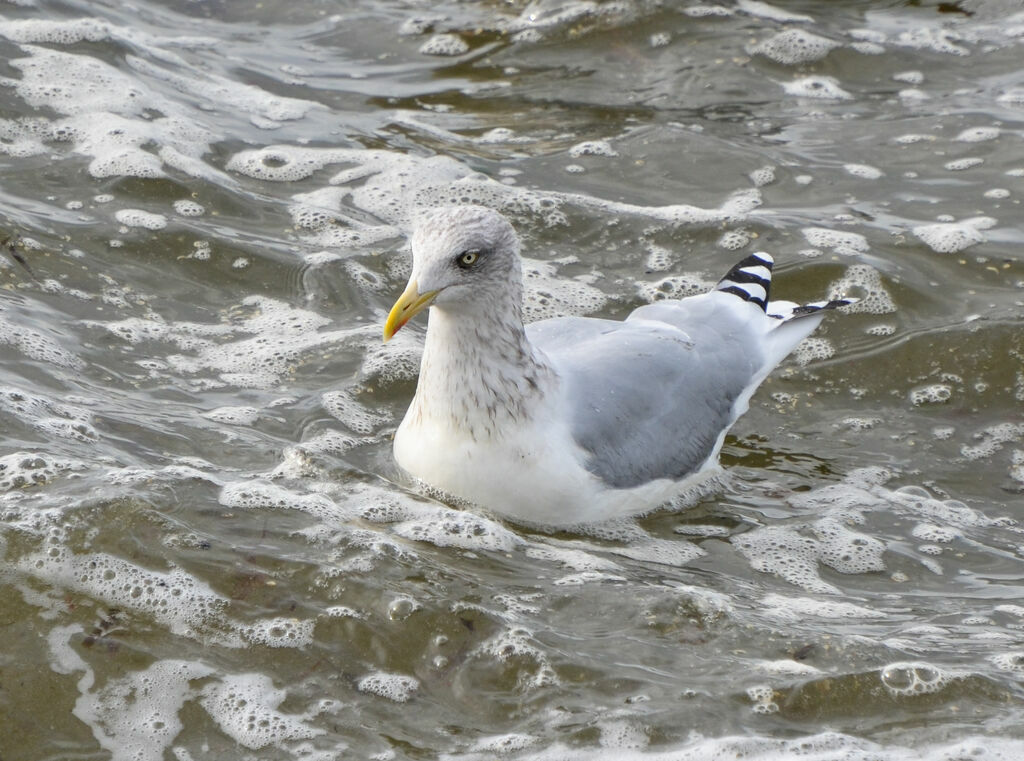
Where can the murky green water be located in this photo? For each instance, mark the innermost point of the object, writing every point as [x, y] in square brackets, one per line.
[207, 549]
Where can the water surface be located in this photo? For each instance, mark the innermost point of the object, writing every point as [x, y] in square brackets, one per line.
[207, 549]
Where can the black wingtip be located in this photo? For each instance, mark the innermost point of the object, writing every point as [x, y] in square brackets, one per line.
[818, 306]
[750, 279]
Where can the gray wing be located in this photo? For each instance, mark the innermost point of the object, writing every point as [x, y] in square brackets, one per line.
[648, 399]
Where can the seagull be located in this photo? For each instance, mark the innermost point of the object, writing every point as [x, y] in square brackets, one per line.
[575, 420]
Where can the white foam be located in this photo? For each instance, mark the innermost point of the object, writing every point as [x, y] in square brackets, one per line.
[939, 40]
[593, 148]
[187, 208]
[246, 707]
[794, 46]
[864, 282]
[914, 137]
[445, 45]
[978, 134]
[795, 609]
[259, 495]
[842, 242]
[141, 218]
[763, 176]
[659, 39]
[281, 335]
[20, 470]
[864, 171]
[990, 440]
[36, 345]
[933, 393]
[674, 287]
[770, 12]
[396, 687]
[959, 165]
[547, 295]
[444, 527]
[951, 237]
[905, 679]
[61, 419]
[819, 87]
[733, 240]
[175, 598]
[135, 717]
[912, 77]
[355, 415]
[706, 11]
[813, 348]
[507, 743]
[1011, 661]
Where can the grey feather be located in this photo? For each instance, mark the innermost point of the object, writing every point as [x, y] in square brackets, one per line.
[649, 400]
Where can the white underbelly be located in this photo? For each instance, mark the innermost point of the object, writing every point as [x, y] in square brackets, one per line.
[531, 476]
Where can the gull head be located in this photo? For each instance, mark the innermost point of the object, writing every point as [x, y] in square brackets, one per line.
[464, 259]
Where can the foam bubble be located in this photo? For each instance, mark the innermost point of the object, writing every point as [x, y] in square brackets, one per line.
[136, 716]
[706, 11]
[257, 495]
[951, 237]
[444, 527]
[503, 743]
[278, 632]
[934, 393]
[659, 258]
[674, 287]
[905, 679]
[179, 601]
[992, 439]
[864, 282]
[913, 137]
[795, 609]
[733, 240]
[140, 218]
[188, 208]
[794, 46]
[593, 148]
[36, 345]
[939, 40]
[233, 415]
[355, 415]
[763, 176]
[771, 12]
[821, 87]
[1012, 661]
[397, 687]
[20, 470]
[813, 348]
[60, 419]
[785, 552]
[997, 193]
[864, 171]
[659, 39]
[764, 699]
[546, 295]
[444, 45]
[622, 734]
[959, 165]
[782, 551]
[246, 707]
[978, 134]
[839, 241]
[912, 77]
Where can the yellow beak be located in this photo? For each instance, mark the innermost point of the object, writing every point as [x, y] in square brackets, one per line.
[409, 304]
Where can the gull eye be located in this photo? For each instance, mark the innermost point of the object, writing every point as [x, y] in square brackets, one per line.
[467, 258]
